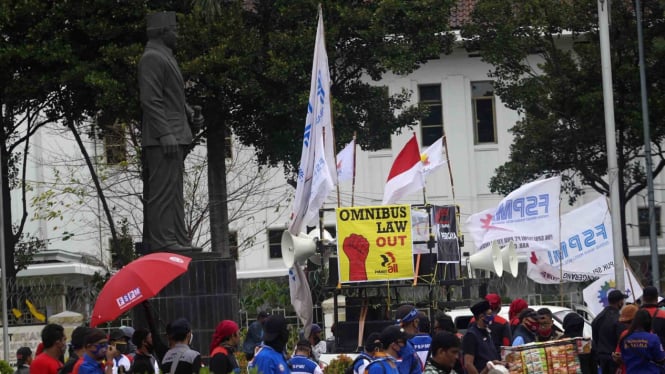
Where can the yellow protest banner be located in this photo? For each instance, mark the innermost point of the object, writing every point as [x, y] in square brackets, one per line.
[374, 243]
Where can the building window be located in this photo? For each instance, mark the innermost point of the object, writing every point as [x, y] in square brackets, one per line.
[484, 117]
[431, 125]
[275, 243]
[233, 244]
[643, 219]
[115, 145]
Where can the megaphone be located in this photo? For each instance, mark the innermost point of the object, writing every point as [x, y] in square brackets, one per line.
[488, 259]
[509, 257]
[297, 248]
[327, 240]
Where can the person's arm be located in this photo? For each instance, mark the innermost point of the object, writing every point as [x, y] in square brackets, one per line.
[218, 364]
[507, 335]
[519, 340]
[468, 364]
[196, 365]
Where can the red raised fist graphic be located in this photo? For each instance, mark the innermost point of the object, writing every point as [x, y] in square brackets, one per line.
[356, 248]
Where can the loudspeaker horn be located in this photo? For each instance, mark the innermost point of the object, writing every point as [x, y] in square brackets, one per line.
[327, 240]
[509, 257]
[488, 259]
[297, 248]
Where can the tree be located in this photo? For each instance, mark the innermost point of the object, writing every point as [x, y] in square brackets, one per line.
[546, 66]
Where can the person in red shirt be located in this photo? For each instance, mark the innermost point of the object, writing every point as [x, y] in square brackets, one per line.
[55, 343]
[500, 327]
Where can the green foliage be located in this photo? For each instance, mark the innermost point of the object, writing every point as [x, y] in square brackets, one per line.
[338, 365]
[122, 251]
[257, 63]
[26, 247]
[546, 65]
[264, 294]
[5, 368]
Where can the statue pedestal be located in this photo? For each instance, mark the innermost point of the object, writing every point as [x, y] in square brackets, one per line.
[206, 294]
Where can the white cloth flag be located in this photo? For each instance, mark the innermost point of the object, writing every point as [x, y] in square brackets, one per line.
[586, 250]
[345, 163]
[301, 297]
[406, 174]
[433, 157]
[595, 295]
[529, 216]
[317, 172]
[477, 225]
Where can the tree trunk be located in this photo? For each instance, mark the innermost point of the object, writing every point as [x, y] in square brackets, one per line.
[10, 238]
[217, 194]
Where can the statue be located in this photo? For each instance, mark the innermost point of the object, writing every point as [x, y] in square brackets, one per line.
[166, 133]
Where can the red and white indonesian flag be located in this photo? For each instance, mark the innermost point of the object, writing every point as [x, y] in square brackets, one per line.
[345, 162]
[317, 173]
[528, 216]
[433, 157]
[595, 295]
[586, 251]
[405, 175]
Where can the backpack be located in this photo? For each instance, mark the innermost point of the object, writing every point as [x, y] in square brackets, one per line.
[350, 370]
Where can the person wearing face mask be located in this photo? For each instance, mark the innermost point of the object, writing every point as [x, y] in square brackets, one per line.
[547, 331]
[270, 357]
[477, 343]
[144, 361]
[500, 327]
[414, 353]
[392, 340]
[526, 331]
[121, 362]
[184, 359]
[98, 356]
[603, 333]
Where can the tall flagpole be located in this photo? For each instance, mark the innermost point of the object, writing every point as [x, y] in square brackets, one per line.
[610, 137]
[3, 276]
[353, 179]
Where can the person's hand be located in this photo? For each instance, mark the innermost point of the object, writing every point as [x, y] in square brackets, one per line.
[110, 353]
[356, 248]
[169, 144]
[616, 356]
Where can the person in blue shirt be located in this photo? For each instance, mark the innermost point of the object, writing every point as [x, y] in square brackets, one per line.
[97, 349]
[270, 357]
[641, 350]
[367, 355]
[407, 319]
[254, 335]
[301, 363]
[392, 340]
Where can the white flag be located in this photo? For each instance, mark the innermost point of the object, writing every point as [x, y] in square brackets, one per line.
[477, 225]
[301, 297]
[528, 216]
[595, 295]
[433, 157]
[586, 250]
[317, 172]
[345, 162]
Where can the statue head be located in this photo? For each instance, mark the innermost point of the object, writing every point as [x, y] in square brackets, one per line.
[163, 25]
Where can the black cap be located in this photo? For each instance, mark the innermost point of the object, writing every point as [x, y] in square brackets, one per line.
[390, 335]
[116, 335]
[263, 314]
[616, 295]
[274, 327]
[179, 327]
[650, 292]
[372, 341]
[480, 307]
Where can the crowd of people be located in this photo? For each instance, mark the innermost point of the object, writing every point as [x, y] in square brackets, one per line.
[625, 337]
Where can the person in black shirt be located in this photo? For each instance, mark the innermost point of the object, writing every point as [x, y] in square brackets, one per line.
[603, 333]
[76, 348]
[144, 362]
[222, 348]
[477, 343]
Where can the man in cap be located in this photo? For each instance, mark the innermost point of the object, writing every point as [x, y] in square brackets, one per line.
[407, 319]
[185, 359]
[121, 362]
[500, 327]
[301, 363]
[254, 335]
[445, 354]
[98, 356]
[144, 361]
[650, 304]
[270, 357]
[166, 134]
[318, 345]
[547, 330]
[477, 342]
[392, 340]
[225, 339]
[23, 360]
[604, 339]
[76, 348]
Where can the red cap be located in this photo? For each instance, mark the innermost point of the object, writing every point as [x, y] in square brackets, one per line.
[494, 300]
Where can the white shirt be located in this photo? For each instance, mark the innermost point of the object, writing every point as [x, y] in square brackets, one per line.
[121, 361]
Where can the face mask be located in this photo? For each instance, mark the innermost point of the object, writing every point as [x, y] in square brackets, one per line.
[122, 347]
[545, 331]
[149, 347]
[488, 319]
[533, 326]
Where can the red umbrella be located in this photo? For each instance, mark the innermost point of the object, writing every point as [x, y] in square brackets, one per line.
[136, 282]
